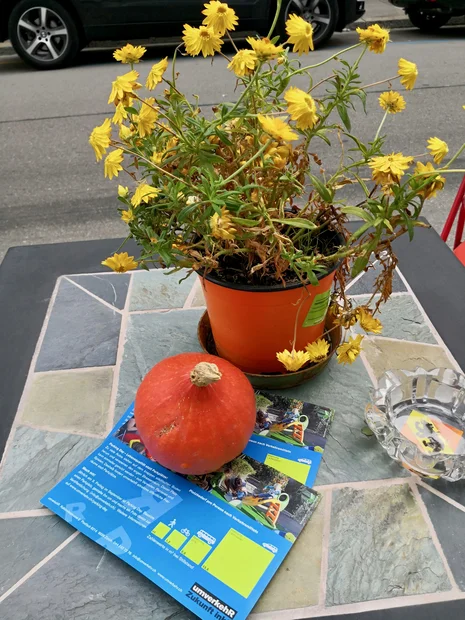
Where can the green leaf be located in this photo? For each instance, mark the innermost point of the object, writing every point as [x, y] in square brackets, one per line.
[366, 430]
[131, 110]
[324, 192]
[296, 222]
[243, 221]
[359, 265]
[342, 110]
[358, 212]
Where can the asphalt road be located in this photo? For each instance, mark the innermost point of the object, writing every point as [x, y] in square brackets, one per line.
[51, 188]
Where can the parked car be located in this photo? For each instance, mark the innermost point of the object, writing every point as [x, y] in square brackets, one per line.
[430, 15]
[49, 33]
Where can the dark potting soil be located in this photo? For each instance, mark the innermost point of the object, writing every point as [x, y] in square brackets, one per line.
[234, 269]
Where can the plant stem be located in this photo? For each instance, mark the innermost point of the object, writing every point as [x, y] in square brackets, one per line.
[247, 163]
[230, 38]
[454, 158]
[323, 62]
[380, 82]
[276, 17]
[380, 126]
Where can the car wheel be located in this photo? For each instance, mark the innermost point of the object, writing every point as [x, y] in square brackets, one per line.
[428, 21]
[322, 14]
[43, 33]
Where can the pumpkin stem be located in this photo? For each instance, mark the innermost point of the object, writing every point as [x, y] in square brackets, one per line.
[204, 374]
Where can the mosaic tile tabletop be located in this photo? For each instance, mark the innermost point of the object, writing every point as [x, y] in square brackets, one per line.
[381, 538]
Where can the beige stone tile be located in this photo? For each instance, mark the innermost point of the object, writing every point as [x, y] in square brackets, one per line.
[72, 401]
[385, 355]
[199, 299]
[297, 582]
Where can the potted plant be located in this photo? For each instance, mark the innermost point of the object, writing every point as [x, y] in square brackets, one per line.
[243, 197]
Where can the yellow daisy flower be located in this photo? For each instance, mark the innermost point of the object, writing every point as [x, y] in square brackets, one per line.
[99, 139]
[243, 63]
[203, 39]
[293, 360]
[157, 158]
[155, 75]
[388, 169]
[438, 149]
[221, 225]
[264, 48]
[392, 102]
[301, 107]
[120, 114]
[318, 350]
[147, 117]
[277, 128]
[348, 351]
[120, 262]
[375, 37]
[129, 54]
[220, 17]
[123, 87]
[436, 184]
[144, 193]
[408, 73]
[300, 34]
[127, 216]
[112, 165]
[125, 133]
[368, 322]
[123, 192]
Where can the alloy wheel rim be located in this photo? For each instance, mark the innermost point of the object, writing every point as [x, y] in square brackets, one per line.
[316, 12]
[42, 34]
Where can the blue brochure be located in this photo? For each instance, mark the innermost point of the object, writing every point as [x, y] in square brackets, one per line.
[212, 542]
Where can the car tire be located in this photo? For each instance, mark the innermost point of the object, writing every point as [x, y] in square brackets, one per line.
[44, 33]
[322, 14]
[427, 21]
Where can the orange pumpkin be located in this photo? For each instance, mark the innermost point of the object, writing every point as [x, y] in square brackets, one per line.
[195, 412]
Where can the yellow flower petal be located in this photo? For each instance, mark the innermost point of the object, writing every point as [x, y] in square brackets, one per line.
[129, 54]
[368, 322]
[301, 107]
[220, 17]
[112, 165]
[123, 87]
[123, 192]
[147, 117]
[201, 40]
[436, 184]
[120, 262]
[293, 360]
[264, 48]
[408, 73]
[389, 169]
[300, 34]
[156, 74]
[243, 63]
[392, 102]
[375, 37]
[221, 225]
[99, 139]
[144, 193]
[318, 350]
[277, 127]
[127, 216]
[348, 351]
[438, 149]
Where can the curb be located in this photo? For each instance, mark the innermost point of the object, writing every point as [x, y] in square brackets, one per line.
[392, 24]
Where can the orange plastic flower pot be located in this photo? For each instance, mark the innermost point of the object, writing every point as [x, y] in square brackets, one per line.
[251, 324]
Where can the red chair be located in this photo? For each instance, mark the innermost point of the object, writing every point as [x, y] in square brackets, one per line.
[458, 209]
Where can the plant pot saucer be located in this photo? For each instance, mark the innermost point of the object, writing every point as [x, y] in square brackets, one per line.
[274, 381]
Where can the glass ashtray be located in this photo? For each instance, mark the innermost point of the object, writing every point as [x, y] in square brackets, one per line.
[419, 418]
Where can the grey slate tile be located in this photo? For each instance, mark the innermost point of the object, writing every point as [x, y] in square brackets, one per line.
[81, 332]
[111, 287]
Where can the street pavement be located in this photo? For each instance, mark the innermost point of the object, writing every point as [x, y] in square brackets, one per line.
[52, 190]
